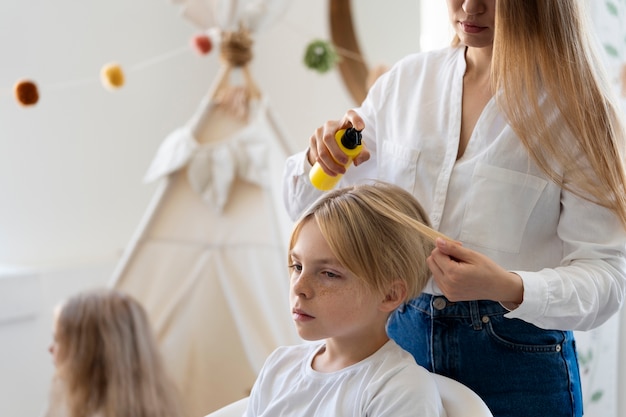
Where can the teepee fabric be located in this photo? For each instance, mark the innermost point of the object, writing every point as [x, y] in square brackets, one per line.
[209, 259]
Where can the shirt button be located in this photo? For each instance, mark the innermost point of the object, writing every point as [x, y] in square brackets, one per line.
[439, 303]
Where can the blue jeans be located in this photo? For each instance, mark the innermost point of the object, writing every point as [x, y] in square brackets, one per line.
[517, 368]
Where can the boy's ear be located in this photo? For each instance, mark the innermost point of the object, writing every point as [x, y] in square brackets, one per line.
[396, 294]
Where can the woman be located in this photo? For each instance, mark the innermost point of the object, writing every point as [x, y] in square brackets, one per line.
[511, 141]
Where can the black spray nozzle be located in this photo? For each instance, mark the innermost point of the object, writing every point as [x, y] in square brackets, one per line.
[351, 138]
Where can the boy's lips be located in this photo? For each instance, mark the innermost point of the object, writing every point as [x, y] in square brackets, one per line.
[301, 315]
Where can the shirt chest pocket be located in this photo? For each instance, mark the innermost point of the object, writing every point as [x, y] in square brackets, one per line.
[398, 165]
[499, 207]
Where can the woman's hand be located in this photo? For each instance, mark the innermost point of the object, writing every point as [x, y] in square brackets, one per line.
[324, 149]
[464, 275]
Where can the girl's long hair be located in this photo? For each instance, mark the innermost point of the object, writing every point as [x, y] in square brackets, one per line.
[110, 361]
[544, 63]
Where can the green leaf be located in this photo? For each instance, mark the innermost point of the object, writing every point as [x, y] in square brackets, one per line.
[611, 50]
[597, 396]
[584, 358]
[612, 8]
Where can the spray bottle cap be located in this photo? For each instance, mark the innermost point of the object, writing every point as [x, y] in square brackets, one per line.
[351, 138]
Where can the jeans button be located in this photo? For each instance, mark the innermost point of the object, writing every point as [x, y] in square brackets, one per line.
[439, 303]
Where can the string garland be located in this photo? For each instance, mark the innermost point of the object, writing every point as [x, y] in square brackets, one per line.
[112, 77]
[320, 55]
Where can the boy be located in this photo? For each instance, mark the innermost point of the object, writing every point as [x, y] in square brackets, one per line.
[355, 256]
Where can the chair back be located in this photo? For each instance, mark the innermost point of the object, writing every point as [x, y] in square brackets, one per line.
[458, 401]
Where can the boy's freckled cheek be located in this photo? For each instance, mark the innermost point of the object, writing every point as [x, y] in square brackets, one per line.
[338, 293]
[326, 291]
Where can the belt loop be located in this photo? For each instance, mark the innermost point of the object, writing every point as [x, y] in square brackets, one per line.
[477, 323]
[431, 311]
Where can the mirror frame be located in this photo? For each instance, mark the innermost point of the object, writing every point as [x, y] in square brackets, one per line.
[353, 69]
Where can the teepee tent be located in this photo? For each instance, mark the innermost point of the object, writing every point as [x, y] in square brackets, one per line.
[208, 260]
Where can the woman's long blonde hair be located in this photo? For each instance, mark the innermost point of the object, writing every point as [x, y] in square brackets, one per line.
[378, 231]
[543, 63]
[110, 363]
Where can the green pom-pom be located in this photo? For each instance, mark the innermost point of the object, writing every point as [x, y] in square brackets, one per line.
[320, 56]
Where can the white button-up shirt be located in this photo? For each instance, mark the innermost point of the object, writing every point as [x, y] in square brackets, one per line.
[570, 253]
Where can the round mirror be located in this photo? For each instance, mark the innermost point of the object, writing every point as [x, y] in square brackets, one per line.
[387, 33]
[408, 26]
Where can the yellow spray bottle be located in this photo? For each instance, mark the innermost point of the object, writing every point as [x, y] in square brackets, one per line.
[349, 140]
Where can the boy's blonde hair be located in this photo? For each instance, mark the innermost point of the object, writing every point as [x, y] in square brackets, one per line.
[109, 359]
[375, 231]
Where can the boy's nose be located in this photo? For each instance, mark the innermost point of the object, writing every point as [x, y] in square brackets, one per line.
[300, 286]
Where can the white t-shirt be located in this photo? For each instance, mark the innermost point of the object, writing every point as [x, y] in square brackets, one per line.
[570, 253]
[388, 383]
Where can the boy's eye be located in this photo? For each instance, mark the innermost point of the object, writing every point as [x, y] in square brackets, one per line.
[296, 267]
[331, 274]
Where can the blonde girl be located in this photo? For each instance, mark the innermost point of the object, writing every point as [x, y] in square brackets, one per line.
[107, 361]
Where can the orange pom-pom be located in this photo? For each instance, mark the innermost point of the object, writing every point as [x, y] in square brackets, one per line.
[26, 92]
[112, 76]
[202, 43]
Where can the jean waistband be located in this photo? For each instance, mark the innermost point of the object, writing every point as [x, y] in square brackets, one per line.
[440, 306]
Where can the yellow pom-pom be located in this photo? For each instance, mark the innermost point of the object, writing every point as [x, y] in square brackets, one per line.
[26, 92]
[112, 76]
